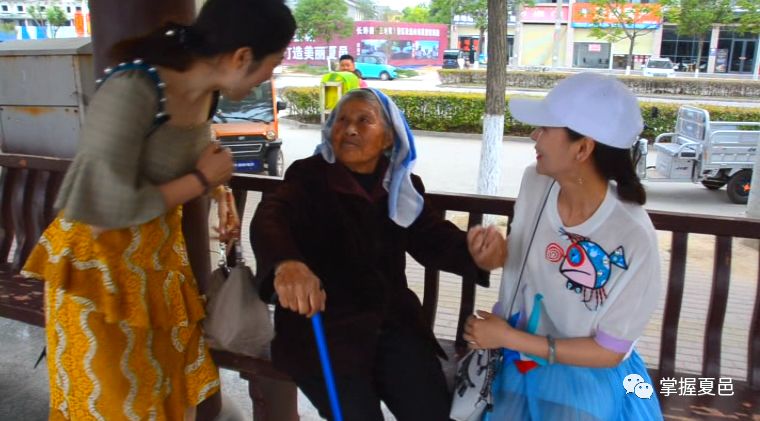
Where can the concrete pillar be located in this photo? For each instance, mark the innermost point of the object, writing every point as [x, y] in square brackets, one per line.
[657, 41]
[115, 20]
[570, 37]
[557, 34]
[714, 36]
[517, 46]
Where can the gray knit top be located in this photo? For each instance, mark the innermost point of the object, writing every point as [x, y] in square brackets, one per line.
[124, 155]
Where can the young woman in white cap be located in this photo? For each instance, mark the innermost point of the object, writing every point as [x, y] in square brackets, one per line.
[582, 275]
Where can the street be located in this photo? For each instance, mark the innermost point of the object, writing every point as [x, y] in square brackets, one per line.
[448, 163]
[427, 80]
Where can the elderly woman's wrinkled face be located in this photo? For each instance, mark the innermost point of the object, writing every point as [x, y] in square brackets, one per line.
[359, 135]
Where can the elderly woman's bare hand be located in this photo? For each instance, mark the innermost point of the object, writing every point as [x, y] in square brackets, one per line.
[298, 288]
[487, 247]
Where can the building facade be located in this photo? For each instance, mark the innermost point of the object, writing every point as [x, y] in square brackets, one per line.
[548, 34]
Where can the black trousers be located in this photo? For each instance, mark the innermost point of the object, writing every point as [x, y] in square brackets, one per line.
[407, 376]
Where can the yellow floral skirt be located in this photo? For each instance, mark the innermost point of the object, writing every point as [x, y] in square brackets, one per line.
[122, 316]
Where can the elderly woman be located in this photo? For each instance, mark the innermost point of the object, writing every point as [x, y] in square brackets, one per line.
[334, 238]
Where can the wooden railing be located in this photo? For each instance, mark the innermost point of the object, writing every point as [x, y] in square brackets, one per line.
[679, 224]
[30, 183]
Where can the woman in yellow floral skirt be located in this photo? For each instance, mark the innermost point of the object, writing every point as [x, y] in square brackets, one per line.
[122, 305]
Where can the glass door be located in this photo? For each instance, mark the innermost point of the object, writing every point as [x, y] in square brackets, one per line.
[743, 55]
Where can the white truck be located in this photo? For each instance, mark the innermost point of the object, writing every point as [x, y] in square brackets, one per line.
[714, 153]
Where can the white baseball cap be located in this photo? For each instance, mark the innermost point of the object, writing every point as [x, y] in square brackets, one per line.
[594, 105]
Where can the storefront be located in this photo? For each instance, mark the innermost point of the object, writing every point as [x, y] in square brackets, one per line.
[739, 51]
[591, 55]
[469, 44]
[538, 39]
[683, 50]
[732, 52]
[600, 53]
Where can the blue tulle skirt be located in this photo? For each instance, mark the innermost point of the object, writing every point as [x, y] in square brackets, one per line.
[570, 393]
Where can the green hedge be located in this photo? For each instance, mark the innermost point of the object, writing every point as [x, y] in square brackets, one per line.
[682, 84]
[463, 112]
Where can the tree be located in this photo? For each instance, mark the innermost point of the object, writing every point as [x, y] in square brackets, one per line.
[418, 14]
[441, 11]
[323, 19]
[37, 15]
[695, 18]
[56, 18]
[616, 20]
[496, 81]
[478, 11]
[367, 8]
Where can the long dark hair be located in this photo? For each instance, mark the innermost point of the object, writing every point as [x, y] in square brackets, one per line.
[616, 164]
[223, 26]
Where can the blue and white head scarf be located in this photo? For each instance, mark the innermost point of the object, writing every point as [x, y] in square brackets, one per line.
[404, 201]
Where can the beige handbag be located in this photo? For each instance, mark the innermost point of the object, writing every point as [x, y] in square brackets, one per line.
[237, 320]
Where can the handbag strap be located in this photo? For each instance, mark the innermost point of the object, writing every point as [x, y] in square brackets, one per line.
[530, 244]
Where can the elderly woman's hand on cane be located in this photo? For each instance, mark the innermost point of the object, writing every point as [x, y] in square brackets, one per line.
[298, 288]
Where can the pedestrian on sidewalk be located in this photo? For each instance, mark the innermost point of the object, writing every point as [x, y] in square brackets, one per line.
[122, 304]
[333, 238]
[582, 276]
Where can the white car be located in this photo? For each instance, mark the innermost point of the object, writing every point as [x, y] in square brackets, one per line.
[658, 67]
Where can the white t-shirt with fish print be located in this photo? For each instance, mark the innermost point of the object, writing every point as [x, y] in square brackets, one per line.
[599, 279]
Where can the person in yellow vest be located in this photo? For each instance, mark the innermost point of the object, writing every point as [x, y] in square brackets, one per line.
[347, 64]
[348, 81]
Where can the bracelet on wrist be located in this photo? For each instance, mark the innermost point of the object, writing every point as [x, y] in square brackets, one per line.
[202, 179]
[552, 349]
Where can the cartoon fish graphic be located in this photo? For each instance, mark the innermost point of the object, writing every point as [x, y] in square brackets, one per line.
[587, 268]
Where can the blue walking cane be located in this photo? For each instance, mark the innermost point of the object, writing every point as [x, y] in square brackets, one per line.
[324, 358]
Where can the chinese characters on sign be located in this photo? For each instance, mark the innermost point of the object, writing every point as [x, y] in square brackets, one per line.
[389, 30]
[393, 43]
[543, 14]
[696, 386]
[637, 16]
[309, 52]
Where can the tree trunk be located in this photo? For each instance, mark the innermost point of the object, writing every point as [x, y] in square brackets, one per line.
[629, 60]
[496, 81]
[699, 56]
